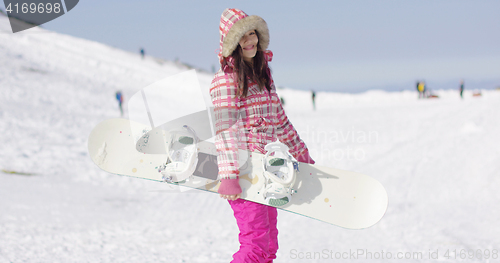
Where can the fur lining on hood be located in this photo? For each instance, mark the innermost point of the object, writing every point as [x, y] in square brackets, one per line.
[234, 23]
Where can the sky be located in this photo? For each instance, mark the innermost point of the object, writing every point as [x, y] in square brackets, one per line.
[346, 46]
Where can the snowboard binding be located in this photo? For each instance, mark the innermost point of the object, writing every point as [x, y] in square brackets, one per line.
[280, 169]
[182, 149]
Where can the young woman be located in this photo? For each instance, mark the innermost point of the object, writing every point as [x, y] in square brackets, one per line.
[249, 115]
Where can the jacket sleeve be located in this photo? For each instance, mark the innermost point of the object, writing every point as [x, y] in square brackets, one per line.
[288, 135]
[223, 92]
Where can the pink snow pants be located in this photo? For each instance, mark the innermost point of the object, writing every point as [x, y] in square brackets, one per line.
[258, 233]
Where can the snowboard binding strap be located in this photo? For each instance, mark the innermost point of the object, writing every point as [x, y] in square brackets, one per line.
[280, 169]
[182, 148]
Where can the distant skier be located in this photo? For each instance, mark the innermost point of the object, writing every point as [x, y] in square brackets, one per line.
[462, 88]
[119, 98]
[313, 95]
[421, 89]
[142, 53]
[243, 92]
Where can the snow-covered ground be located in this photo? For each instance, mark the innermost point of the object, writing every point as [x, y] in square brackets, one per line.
[438, 159]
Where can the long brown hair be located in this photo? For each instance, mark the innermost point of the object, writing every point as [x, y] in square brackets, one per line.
[258, 71]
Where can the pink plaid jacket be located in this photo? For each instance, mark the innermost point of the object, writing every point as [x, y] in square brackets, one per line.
[248, 123]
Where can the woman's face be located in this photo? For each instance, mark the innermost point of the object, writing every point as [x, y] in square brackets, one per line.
[248, 44]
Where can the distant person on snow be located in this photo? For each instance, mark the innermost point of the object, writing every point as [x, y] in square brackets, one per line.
[313, 95]
[462, 88]
[142, 53]
[241, 123]
[119, 98]
[421, 89]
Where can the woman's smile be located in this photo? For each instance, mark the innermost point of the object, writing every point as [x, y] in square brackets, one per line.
[249, 47]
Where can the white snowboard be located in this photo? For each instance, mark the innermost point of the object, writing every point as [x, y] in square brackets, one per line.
[343, 198]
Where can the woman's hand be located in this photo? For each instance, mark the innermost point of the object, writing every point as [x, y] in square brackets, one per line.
[229, 189]
[230, 197]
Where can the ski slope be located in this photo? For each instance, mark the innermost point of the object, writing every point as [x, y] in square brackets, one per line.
[438, 160]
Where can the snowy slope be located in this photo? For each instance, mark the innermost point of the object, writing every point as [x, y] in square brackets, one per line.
[438, 160]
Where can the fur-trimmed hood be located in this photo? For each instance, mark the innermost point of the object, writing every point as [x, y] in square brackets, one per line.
[234, 23]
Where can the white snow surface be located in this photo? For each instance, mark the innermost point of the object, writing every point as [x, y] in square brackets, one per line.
[437, 158]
